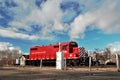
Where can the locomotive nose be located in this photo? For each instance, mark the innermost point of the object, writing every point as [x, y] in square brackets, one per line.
[76, 51]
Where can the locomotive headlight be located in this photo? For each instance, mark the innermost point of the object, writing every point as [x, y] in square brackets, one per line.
[70, 55]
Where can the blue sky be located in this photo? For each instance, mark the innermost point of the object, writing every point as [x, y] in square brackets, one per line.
[91, 23]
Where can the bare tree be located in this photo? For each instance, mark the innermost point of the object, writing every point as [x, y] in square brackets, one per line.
[8, 56]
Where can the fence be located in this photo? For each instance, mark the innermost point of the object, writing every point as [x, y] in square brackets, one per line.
[114, 59]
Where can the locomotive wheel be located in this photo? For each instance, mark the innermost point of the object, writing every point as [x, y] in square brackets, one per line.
[68, 63]
[74, 62]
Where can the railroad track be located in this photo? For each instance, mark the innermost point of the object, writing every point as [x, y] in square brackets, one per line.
[101, 66]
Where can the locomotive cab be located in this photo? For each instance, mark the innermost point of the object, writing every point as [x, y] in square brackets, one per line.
[73, 50]
[70, 50]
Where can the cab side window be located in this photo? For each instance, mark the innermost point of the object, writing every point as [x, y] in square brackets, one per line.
[64, 47]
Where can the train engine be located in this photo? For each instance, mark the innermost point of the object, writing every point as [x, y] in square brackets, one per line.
[47, 53]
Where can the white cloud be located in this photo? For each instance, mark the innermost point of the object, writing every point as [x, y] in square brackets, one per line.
[79, 25]
[12, 34]
[48, 17]
[8, 46]
[106, 18]
[15, 49]
[4, 45]
[115, 46]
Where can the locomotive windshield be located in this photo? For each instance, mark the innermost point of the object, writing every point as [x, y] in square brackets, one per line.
[33, 49]
[71, 46]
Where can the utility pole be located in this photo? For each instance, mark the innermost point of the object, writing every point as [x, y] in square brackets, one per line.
[117, 62]
[89, 63]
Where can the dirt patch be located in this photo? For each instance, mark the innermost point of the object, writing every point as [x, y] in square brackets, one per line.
[50, 73]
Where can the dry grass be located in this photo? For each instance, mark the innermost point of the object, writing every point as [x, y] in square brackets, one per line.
[50, 73]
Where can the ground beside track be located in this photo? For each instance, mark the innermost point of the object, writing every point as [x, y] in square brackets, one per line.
[50, 73]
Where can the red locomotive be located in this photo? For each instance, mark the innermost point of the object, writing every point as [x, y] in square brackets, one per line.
[70, 50]
[72, 53]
